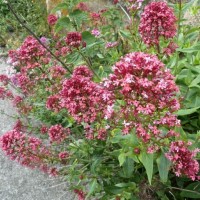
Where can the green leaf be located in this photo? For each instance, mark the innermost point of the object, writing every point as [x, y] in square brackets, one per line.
[163, 167]
[121, 158]
[96, 162]
[88, 37]
[92, 187]
[192, 191]
[147, 161]
[128, 167]
[195, 82]
[129, 184]
[192, 49]
[183, 112]
[79, 16]
[63, 22]
[114, 190]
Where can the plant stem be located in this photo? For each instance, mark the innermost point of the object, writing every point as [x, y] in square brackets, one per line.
[35, 36]
[129, 18]
[88, 63]
[178, 32]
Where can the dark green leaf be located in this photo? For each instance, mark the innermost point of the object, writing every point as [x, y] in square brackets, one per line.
[63, 22]
[163, 167]
[128, 167]
[88, 37]
[147, 160]
[92, 187]
[192, 191]
[187, 111]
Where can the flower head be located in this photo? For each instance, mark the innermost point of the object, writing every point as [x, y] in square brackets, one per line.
[148, 92]
[74, 39]
[183, 159]
[52, 19]
[157, 20]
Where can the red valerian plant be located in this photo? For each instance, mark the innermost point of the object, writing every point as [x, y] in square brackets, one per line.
[111, 130]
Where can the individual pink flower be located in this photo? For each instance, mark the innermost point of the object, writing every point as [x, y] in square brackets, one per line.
[157, 20]
[74, 39]
[183, 160]
[96, 32]
[52, 19]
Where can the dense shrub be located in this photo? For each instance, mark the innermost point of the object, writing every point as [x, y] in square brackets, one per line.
[113, 100]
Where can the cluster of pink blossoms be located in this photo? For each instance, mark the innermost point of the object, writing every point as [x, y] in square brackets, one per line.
[157, 20]
[52, 19]
[29, 51]
[183, 159]
[28, 151]
[82, 6]
[74, 39]
[84, 99]
[148, 91]
[80, 193]
[57, 133]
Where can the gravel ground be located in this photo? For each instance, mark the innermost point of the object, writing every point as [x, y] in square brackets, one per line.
[19, 183]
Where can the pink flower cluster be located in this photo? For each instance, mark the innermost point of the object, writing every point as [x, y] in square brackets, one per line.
[57, 133]
[28, 151]
[74, 39]
[30, 50]
[57, 72]
[5, 93]
[148, 91]
[52, 19]
[53, 103]
[84, 99]
[183, 159]
[80, 193]
[157, 20]
[82, 6]
[170, 49]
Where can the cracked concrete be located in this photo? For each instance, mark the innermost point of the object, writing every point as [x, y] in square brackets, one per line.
[20, 183]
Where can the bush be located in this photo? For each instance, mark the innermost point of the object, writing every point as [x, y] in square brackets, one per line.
[113, 104]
